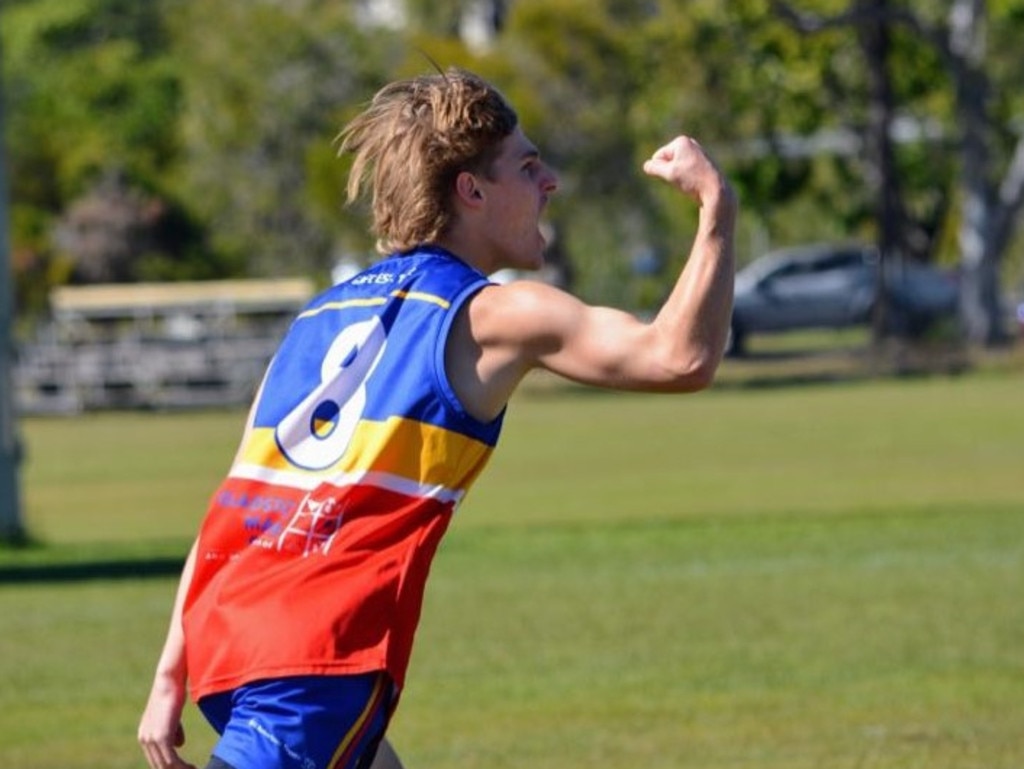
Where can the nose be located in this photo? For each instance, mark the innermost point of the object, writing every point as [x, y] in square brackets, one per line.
[549, 182]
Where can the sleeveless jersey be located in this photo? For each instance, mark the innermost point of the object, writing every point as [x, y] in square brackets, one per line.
[315, 549]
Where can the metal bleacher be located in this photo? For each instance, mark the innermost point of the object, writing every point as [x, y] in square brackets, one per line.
[155, 345]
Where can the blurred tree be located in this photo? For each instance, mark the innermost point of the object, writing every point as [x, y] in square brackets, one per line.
[578, 67]
[792, 123]
[615, 79]
[261, 103]
[475, 22]
[12, 528]
[216, 118]
[90, 86]
[437, 17]
[882, 179]
[117, 232]
[105, 230]
[991, 181]
[92, 94]
[977, 114]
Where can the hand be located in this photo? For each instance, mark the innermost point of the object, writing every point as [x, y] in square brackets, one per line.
[160, 730]
[683, 163]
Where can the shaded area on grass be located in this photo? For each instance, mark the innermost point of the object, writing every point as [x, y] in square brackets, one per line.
[141, 568]
[38, 562]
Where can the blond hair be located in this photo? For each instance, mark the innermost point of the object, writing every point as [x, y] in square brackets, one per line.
[410, 144]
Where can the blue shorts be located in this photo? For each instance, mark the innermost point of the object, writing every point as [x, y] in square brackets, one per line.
[305, 722]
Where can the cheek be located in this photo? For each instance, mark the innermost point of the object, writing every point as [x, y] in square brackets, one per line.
[524, 216]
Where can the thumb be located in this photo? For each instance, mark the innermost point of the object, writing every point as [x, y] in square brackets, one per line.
[662, 157]
[655, 166]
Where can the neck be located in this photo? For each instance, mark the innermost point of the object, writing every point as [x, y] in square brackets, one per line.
[469, 252]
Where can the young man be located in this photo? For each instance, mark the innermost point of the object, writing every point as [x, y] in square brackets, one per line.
[298, 604]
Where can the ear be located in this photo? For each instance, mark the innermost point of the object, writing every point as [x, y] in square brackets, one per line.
[467, 189]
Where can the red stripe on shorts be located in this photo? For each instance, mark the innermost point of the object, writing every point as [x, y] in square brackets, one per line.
[353, 740]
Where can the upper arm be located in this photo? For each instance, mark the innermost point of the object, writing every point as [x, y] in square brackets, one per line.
[505, 331]
[594, 345]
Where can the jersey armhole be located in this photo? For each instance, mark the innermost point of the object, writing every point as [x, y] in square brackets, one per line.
[444, 385]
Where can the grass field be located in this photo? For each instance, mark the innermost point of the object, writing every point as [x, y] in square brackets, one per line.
[779, 578]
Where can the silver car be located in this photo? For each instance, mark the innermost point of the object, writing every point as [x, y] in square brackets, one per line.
[834, 285]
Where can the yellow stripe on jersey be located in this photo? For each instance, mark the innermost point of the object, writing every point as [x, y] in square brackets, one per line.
[382, 447]
[419, 296]
[422, 297]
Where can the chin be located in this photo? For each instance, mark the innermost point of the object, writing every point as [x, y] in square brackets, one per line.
[538, 260]
[534, 264]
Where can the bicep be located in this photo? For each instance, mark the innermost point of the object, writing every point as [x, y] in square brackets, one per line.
[603, 346]
[546, 328]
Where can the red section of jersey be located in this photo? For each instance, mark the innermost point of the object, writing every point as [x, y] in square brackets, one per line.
[347, 568]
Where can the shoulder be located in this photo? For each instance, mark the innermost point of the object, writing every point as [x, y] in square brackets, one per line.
[523, 310]
[499, 334]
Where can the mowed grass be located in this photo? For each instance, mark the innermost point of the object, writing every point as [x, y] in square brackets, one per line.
[817, 576]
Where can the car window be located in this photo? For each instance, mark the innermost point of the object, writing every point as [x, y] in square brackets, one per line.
[843, 260]
[789, 270]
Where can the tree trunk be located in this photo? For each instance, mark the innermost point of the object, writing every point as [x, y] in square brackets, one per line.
[880, 165]
[11, 526]
[980, 306]
[979, 236]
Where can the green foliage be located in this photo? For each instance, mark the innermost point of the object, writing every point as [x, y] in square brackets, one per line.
[89, 87]
[91, 93]
[224, 111]
[261, 107]
[438, 18]
[584, 79]
[584, 63]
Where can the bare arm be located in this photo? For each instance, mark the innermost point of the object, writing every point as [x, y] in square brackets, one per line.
[508, 330]
[160, 730]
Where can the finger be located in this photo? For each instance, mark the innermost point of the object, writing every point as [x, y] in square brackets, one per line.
[661, 156]
[153, 756]
[160, 755]
[665, 152]
[656, 166]
[174, 761]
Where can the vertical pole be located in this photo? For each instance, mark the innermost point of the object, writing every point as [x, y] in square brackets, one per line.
[11, 528]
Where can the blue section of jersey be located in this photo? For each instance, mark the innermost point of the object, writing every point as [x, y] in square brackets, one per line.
[373, 348]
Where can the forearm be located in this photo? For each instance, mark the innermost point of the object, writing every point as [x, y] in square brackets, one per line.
[697, 312]
[160, 731]
[171, 664]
